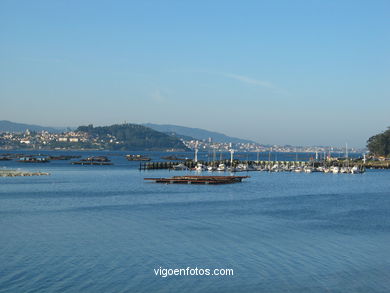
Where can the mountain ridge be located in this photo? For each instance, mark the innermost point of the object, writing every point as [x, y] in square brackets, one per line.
[9, 126]
[197, 133]
[170, 129]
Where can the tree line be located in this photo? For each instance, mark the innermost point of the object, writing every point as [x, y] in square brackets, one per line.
[379, 144]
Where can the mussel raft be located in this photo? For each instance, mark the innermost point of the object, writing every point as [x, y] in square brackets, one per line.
[199, 179]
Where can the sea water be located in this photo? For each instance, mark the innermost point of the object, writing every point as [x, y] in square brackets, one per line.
[104, 229]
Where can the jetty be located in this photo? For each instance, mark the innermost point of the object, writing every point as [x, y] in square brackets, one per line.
[199, 179]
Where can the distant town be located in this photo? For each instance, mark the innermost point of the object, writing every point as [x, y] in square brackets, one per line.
[79, 140]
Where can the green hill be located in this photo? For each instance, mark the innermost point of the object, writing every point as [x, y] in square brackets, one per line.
[133, 137]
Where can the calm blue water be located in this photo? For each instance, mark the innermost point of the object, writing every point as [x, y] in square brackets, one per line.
[103, 229]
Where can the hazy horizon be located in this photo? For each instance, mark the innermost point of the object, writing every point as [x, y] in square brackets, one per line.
[342, 145]
[276, 72]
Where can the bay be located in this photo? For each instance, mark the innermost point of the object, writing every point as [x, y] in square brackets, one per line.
[103, 229]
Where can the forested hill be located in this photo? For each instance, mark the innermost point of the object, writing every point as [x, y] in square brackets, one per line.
[379, 144]
[133, 137]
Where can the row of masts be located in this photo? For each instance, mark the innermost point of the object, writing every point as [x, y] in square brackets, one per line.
[263, 166]
[269, 154]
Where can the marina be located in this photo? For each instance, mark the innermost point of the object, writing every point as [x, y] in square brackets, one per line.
[264, 166]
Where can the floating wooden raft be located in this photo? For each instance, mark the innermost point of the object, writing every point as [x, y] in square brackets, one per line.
[199, 179]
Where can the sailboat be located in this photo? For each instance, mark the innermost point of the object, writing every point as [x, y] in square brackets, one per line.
[221, 167]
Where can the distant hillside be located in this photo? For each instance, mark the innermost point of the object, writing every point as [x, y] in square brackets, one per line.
[180, 136]
[8, 126]
[196, 133]
[133, 137]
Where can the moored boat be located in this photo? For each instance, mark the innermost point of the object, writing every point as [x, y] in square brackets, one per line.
[180, 166]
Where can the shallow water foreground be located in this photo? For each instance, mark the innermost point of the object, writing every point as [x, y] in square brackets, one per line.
[104, 229]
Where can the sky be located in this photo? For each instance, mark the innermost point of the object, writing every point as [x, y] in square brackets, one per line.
[277, 72]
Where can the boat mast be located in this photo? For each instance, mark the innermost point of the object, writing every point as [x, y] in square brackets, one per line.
[231, 157]
[269, 155]
[196, 152]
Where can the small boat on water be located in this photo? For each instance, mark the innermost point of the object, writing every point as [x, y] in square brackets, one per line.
[298, 169]
[221, 167]
[357, 170]
[211, 168]
[200, 167]
[180, 167]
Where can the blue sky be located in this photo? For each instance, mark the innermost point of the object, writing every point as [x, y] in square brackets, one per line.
[282, 72]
